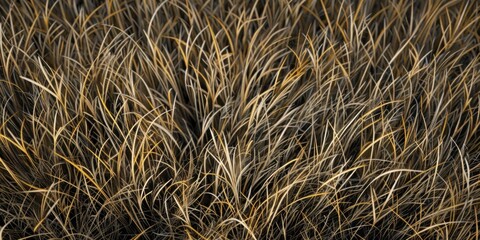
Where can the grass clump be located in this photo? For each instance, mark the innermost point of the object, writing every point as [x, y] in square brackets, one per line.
[239, 119]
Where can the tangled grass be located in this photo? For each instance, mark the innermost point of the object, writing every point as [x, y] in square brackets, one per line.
[234, 119]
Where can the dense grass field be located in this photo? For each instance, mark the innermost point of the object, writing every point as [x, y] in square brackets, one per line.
[232, 119]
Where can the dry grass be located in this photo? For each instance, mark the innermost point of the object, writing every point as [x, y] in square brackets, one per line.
[239, 119]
